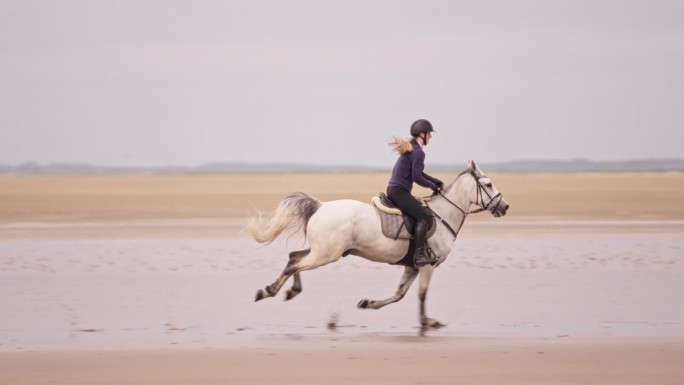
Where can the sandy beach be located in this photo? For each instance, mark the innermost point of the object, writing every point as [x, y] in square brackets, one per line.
[151, 280]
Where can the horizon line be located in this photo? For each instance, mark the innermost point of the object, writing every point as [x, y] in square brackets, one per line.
[529, 165]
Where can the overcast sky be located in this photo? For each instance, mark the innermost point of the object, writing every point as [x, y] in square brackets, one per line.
[170, 82]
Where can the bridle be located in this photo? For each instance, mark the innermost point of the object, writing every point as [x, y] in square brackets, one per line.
[481, 192]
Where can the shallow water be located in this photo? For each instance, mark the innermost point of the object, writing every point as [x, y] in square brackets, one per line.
[194, 289]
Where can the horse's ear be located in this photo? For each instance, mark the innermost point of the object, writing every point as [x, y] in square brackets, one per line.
[472, 166]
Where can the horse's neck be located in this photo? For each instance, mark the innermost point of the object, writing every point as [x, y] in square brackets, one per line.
[458, 194]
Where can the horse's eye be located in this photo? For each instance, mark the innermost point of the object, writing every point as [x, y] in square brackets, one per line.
[488, 184]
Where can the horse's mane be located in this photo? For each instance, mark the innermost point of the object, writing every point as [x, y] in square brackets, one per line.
[448, 187]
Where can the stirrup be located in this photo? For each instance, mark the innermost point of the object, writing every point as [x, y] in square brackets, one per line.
[432, 259]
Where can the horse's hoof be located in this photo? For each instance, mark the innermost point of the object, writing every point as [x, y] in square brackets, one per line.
[430, 323]
[291, 294]
[363, 304]
[259, 295]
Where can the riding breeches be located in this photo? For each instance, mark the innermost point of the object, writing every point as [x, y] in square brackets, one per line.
[407, 203]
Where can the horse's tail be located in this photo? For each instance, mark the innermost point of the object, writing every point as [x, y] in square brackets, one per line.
[294, 211]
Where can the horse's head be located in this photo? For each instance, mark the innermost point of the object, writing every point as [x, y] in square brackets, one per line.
[485, 194]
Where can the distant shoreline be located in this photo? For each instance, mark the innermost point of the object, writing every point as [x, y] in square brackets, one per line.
[575, 165]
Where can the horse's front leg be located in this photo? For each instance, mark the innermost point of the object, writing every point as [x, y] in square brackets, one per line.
[425, 276]
[410, 274]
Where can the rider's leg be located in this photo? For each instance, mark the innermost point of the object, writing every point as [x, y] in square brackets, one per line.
[412, 207]
[422, 257]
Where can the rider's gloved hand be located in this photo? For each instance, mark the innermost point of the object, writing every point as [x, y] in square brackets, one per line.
[437, 189]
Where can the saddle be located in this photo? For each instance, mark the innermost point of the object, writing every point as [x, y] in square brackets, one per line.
[395, 224]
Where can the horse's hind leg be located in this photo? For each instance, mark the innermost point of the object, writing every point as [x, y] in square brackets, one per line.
[410, 274]
[298, 263]
[297, 285]
[273, 289]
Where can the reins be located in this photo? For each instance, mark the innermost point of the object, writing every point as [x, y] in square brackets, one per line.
[446, 224]
[480, 199]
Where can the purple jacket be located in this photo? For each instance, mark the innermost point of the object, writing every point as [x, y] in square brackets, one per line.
[409, 169]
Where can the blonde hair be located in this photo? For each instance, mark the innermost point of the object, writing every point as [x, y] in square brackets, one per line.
[400, 145]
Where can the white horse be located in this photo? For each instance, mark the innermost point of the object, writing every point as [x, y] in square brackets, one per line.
[342, 227]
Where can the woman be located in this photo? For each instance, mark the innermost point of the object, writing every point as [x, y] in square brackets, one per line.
[407, 170]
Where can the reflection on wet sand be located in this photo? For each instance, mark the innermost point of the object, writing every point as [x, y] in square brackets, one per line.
[135, 290]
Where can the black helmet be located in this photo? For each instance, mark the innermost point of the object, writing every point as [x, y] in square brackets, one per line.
[421, 125]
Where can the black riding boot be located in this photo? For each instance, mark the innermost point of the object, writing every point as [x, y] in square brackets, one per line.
[422, 257]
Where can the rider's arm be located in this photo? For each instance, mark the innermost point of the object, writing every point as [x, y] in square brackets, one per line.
[418, 164]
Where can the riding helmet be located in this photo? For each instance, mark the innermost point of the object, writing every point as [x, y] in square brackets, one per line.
[421, 125]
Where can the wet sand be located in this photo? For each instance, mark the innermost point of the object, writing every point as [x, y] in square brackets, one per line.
[154, 299]
[392, 360]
